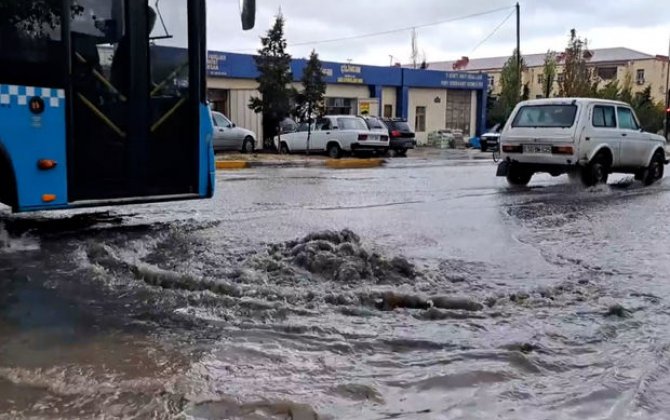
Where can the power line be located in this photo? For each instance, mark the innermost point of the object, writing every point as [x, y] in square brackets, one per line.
[392, 31]
[494, 31]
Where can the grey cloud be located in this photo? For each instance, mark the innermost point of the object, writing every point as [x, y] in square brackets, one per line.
[319, 20]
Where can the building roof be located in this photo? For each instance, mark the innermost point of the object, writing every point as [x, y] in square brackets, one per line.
[601, 55]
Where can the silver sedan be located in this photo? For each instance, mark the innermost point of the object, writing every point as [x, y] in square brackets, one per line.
[227, 136]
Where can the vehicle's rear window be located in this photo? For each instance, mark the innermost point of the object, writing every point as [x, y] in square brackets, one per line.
[351, 124]
[400, 126]
[545, 116]
[374, 123]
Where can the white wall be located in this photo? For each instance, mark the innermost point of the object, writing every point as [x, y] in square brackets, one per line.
[347, 91]
[435, 112]
[240, 113]
[389, 97]
[225, 83]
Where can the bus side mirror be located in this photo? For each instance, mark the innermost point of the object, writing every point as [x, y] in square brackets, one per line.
[248, 11]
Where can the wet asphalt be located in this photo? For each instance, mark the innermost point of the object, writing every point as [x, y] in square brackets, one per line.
[427, 289]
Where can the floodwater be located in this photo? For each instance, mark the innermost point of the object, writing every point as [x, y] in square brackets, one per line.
[422, 290]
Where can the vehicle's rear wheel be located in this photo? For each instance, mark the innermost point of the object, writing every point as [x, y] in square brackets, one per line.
[483, 147]
[518, 176]
[401, 152]
[655, 170]
[248, 145]
[596, 172]
[334, 151]
[284, 150]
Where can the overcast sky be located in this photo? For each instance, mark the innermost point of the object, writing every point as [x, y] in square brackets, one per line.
[642, 25]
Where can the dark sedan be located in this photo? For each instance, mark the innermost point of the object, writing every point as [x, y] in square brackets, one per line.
[402, 136]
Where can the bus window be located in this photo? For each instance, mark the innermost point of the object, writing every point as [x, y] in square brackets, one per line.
[31, 46]
[99, 102]
[173, 105]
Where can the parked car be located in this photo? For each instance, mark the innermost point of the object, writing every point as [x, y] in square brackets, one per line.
[402, 136]
[335, 135]
[589, 138]
[375, 124]
[287, 125]
[490, 139]
[227, 136]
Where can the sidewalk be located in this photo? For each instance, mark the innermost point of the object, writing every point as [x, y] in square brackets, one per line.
[231, 161]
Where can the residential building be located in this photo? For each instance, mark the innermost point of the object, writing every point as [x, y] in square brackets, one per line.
[607, 63]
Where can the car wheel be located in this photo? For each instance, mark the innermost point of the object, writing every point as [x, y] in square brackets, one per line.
[596, 172]
[392, 153]
[248, 145]
[483, 147]
[518, 176]
[334, 151]
[402, 152]
[284, 150]
[655, 170]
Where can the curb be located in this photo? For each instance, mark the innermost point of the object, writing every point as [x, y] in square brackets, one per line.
[354, 163]
[231, 164]
[228, 165]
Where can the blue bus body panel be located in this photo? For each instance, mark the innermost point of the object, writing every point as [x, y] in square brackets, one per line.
[27, 138]
[207, 175]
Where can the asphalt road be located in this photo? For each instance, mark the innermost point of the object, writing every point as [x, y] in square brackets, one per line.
[449, 295]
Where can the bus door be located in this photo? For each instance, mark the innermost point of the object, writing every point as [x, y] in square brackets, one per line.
[134, 103]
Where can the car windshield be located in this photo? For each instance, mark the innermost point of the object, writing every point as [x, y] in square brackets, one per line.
[559, 116]
[351, 123]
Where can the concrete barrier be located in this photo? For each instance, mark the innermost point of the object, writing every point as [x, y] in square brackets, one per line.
[228, 165]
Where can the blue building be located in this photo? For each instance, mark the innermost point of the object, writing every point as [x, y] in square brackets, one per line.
[429, 100]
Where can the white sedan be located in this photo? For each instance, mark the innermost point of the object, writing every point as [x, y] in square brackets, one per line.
[334, 134]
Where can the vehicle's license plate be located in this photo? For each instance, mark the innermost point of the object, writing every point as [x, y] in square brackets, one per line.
[537, 148]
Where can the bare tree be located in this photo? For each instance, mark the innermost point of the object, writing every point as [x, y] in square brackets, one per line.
[415, 49]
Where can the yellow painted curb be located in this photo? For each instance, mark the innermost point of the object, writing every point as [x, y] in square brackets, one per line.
[231, 164]
[354, 163]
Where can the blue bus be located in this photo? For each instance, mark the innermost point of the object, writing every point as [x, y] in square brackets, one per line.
[94, 112]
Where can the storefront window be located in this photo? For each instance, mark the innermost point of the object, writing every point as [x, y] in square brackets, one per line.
[458, 110]
[341, 106]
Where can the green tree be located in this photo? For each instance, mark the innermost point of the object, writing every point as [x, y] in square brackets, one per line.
[626, 94]
[549, 74]
[274, 68]
[610, 91]
[578, 79]
[509, 90]
[310, 100]
[650, 114]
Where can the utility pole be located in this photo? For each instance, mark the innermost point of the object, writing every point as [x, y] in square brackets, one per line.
[667, 94]
[518, 49]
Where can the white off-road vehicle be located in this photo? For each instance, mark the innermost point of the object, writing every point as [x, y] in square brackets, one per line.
[583, 137]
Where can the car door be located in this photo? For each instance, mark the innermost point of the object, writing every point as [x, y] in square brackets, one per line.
[322, 131]
[296, 141]
[224, 137]
[603, 131]
[634, 145]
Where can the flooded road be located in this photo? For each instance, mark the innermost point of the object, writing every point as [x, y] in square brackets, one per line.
[422, 290]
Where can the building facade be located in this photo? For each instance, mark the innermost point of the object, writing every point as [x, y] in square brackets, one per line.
[430, 100]
[608, 64]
